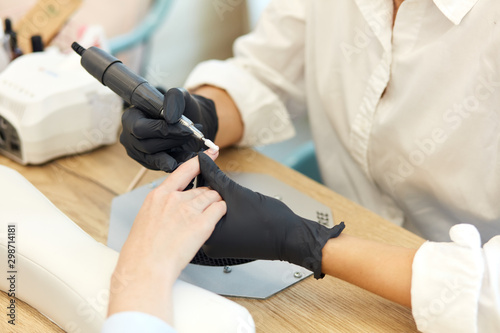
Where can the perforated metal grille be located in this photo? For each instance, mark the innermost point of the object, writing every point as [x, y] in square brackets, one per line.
[202, 259]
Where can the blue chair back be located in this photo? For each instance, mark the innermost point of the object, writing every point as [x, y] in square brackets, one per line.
[304, 161]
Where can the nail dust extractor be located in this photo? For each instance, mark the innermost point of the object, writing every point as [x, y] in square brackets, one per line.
[230, 277]
[51, 107]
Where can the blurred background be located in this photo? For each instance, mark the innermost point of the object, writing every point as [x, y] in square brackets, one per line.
[164, 40]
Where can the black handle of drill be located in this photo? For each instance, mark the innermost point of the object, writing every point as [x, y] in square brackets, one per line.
[112, 73]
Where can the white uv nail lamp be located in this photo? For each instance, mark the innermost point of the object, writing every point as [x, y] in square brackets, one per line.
[258, 279]
[51, 107]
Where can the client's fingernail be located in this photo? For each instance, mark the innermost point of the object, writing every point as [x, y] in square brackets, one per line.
[212, 151]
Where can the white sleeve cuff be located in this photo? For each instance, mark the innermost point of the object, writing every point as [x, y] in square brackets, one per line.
[264, 115]
[446, 282]
[132, 322]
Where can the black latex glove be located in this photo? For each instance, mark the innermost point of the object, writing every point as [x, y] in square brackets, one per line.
[260, 227]
[162, 144]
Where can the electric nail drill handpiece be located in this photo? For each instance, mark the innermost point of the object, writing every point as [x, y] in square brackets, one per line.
[134, 89]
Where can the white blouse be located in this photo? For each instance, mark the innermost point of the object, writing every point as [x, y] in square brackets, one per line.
[405, 120]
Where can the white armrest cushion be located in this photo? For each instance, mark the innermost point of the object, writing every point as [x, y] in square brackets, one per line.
[65, 274]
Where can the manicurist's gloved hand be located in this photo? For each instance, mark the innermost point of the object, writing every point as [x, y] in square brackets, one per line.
[162, 144]
[260, 227]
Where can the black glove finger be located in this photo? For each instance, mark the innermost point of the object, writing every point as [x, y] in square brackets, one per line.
[151, 146]
[182, 155]
[200, 110]
[174, 105]
[159, 161]
[215, 178]
[193, 144]
[205, 110]
[162, 161]
[136, 123]
[190, 106]
[237, 195]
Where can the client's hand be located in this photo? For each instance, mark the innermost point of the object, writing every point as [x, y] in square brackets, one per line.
[168, 231]
[260, 227]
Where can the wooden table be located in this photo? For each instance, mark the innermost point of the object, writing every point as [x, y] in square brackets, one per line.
[83, 187]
